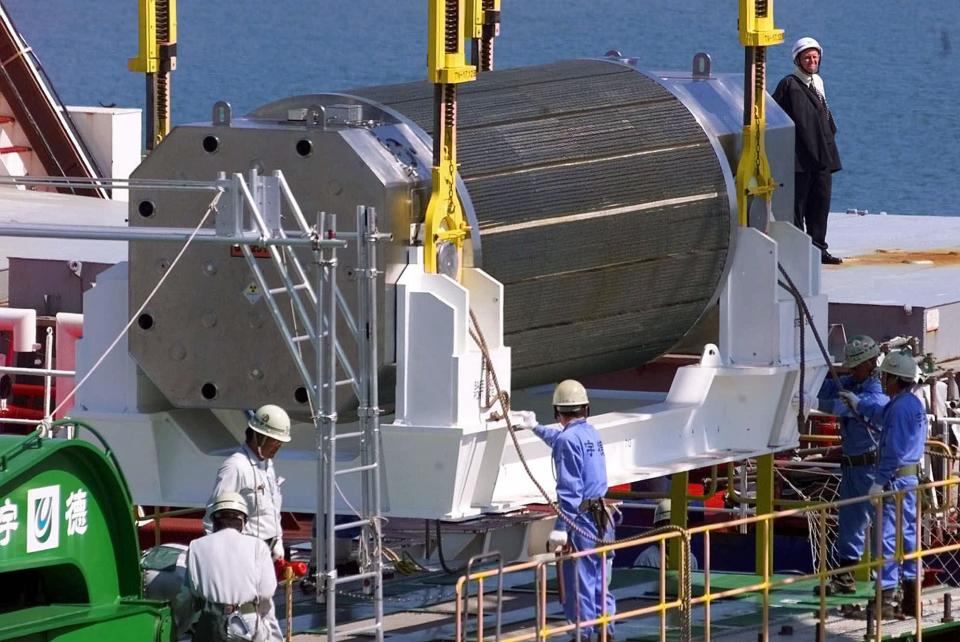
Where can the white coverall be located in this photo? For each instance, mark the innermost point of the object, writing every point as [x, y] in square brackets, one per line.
[255, 479]
[228, 568]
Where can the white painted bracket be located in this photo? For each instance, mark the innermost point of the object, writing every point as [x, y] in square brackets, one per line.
[441, 453]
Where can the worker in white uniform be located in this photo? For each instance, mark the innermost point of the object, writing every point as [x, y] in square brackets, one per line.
[230, 580]
[650, 556]
[250, 472]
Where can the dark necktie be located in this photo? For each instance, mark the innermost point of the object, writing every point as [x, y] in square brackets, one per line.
[823, 101]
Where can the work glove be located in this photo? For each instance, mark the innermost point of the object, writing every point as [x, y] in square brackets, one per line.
[875, 489]
[523, 419]
[850, 398]
[557, 539]
[277, 552]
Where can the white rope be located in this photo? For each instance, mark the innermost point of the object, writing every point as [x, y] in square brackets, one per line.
[210, 208]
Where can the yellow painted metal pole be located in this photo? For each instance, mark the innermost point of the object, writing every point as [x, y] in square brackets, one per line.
[822, 570]
[156, 58]
[764, 544]
[147, 60]
[706, 586]
[757, 32]
[863, 574]
[918, 594]
[678, 515]
[483, 26]
[444, 226]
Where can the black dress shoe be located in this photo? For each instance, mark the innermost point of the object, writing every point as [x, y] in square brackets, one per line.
[829, 259]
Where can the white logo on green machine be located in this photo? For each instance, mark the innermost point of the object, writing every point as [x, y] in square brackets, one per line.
[43, 518]
[8, 521]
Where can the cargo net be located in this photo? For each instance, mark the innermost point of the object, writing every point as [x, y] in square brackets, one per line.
[815, 485]
[940, 524]
[940, 518]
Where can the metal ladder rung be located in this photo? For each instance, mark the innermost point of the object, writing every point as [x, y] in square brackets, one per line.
[366, 628]
[284, 290]
[355, 469]
[301, 338]
[349, 435]
[353, 524]
[353, 578]
[344, 382]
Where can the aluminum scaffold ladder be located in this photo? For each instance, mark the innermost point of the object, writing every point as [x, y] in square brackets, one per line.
[370, 572]
[321, 332]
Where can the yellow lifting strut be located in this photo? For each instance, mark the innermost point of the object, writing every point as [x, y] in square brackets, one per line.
[445, 228]
[753, 171]
[483, 20]
[157, 57]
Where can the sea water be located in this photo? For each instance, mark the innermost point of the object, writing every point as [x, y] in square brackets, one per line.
[889, 66]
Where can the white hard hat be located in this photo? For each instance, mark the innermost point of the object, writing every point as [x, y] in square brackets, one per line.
[901, 364]
[570, 395]
[272, 421]
[859, 349]
[228, 500]
[803, 44]
[662, 512]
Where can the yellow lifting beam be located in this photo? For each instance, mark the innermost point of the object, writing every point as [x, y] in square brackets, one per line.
[757, 32]
[156, 58]
[483, 21]
[444, 227]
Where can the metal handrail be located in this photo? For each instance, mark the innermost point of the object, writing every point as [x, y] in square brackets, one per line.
[765, 583]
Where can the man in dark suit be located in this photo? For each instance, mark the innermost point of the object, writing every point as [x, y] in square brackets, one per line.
[801, 95]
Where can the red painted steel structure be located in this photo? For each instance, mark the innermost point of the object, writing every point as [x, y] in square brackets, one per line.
[38, 110]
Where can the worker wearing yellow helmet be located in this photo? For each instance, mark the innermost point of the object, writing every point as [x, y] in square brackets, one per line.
[581, 472]
[250, 472]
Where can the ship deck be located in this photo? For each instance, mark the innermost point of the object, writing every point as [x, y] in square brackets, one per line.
[894, 260]
[898, 278]
[423, 609]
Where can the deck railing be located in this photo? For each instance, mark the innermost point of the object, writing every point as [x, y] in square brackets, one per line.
[937, 528]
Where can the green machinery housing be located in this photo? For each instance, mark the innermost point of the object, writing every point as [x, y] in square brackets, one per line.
[69, 556]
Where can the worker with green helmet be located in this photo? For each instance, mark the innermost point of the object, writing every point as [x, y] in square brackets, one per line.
[903, 434]
[581, 472]
[250, 472]
[230, 579]
[858, 440]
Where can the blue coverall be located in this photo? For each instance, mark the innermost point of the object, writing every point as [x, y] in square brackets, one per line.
[581, 475]
[904, 431]
[855, 481]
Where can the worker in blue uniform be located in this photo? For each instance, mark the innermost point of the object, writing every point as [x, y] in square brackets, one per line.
[581, 472]
[904, 431]
[858, 439]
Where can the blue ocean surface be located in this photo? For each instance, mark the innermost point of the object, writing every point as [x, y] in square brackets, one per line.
[889, 65]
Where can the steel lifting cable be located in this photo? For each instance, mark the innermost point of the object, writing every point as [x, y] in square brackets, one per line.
[791, 287]
[685, 580]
